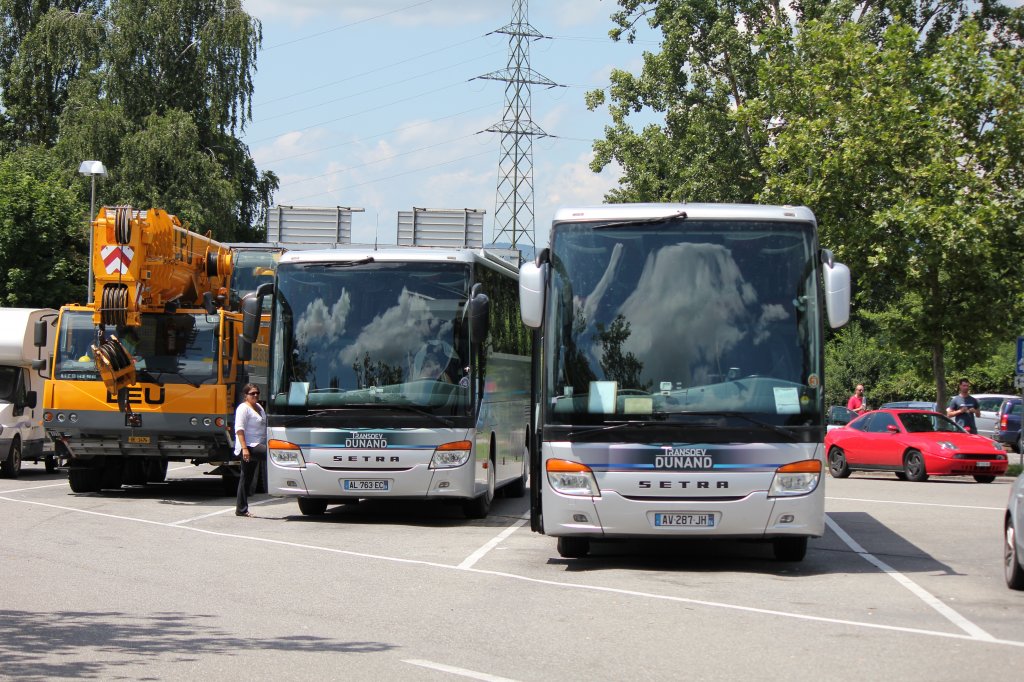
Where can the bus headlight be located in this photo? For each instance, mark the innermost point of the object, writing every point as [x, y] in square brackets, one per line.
[451, 455]
[285, 454]
[796, 478]
[571, 478]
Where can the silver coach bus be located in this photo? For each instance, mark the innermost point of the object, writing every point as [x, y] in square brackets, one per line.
[680, 366]
[395, 373]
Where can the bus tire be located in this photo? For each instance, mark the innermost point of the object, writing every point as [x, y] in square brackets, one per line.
[479, 507]
[518, 487]
[573, 547]
[790, 549]
[311, 506]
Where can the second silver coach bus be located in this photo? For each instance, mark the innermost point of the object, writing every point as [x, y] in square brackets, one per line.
[679, 382]
[395, 373]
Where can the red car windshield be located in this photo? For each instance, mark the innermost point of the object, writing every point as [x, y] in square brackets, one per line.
[921, 422]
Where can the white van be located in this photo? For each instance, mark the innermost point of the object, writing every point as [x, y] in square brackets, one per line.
[23, 336]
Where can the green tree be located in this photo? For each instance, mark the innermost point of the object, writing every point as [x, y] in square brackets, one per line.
[899, 123]
[42, 228]
[120, 78]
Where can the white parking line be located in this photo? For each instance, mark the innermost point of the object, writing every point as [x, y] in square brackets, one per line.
[919, 504]
[472, 674]
[925, 596]
[494, 542]
[35, 487]
[542, 581]
[225, 510]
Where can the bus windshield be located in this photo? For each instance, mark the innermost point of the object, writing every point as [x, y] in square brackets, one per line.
[169, 348]
[683, 316]
[371, 335]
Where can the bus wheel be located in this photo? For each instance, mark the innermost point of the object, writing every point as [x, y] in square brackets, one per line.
[310, 506]
[479, 507]
[573, 548]
[518, 487]
[790, 549]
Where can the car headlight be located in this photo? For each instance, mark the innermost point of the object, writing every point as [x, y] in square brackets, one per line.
[796, 478]
[946, 445]
[285, 454]
[571, 478]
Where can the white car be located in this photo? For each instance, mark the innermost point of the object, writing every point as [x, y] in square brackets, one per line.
[989, 403]
[1013, 537]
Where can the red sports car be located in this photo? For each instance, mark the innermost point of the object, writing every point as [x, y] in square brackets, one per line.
[915, 444]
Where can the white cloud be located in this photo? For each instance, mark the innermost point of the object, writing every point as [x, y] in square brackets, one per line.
[426, 13]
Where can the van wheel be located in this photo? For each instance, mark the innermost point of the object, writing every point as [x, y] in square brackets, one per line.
[573, 548]
[790, 549]
[311, 506]
[11, 466]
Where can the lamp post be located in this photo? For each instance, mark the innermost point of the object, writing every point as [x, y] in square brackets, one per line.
[92, 169]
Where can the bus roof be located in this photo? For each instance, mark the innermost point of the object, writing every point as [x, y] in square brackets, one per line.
[701, 211]
[399, 254]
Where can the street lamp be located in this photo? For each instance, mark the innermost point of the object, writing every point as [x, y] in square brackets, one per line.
[92, 169]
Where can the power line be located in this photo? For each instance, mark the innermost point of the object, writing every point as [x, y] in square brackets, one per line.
[349, 25]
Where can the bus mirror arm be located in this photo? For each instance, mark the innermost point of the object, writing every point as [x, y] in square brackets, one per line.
[252, 305]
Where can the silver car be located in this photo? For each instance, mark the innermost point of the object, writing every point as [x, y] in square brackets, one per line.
[989, 409]
[1013, 537]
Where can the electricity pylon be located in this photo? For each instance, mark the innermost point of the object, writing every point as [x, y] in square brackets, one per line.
[513, 210]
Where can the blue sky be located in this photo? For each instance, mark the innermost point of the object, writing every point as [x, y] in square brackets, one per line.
[373, 104]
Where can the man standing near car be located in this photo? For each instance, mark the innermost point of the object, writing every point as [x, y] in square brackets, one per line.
[856, 402]
[963, 407]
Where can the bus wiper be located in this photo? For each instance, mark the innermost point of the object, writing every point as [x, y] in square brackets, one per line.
[679, 215]
[344, 263]
[615, 425]
[373, 406]
[781, 430]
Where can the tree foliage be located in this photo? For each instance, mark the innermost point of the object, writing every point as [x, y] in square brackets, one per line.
[156, 90]
[42, 232]
[899, 123]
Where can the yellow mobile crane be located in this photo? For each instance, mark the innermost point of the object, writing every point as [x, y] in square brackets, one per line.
[147, 372]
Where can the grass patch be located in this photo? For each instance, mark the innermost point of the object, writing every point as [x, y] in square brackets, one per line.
[1013, 470]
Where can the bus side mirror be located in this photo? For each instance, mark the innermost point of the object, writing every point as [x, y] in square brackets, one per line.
[479, 309]
[531, 294]
[837, 294]
[252, 306]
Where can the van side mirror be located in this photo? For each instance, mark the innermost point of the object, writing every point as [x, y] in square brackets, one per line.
[479, 313]
[39, 334]
[31, 399]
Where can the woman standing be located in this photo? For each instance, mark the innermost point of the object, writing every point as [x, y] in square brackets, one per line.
[250, 443]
